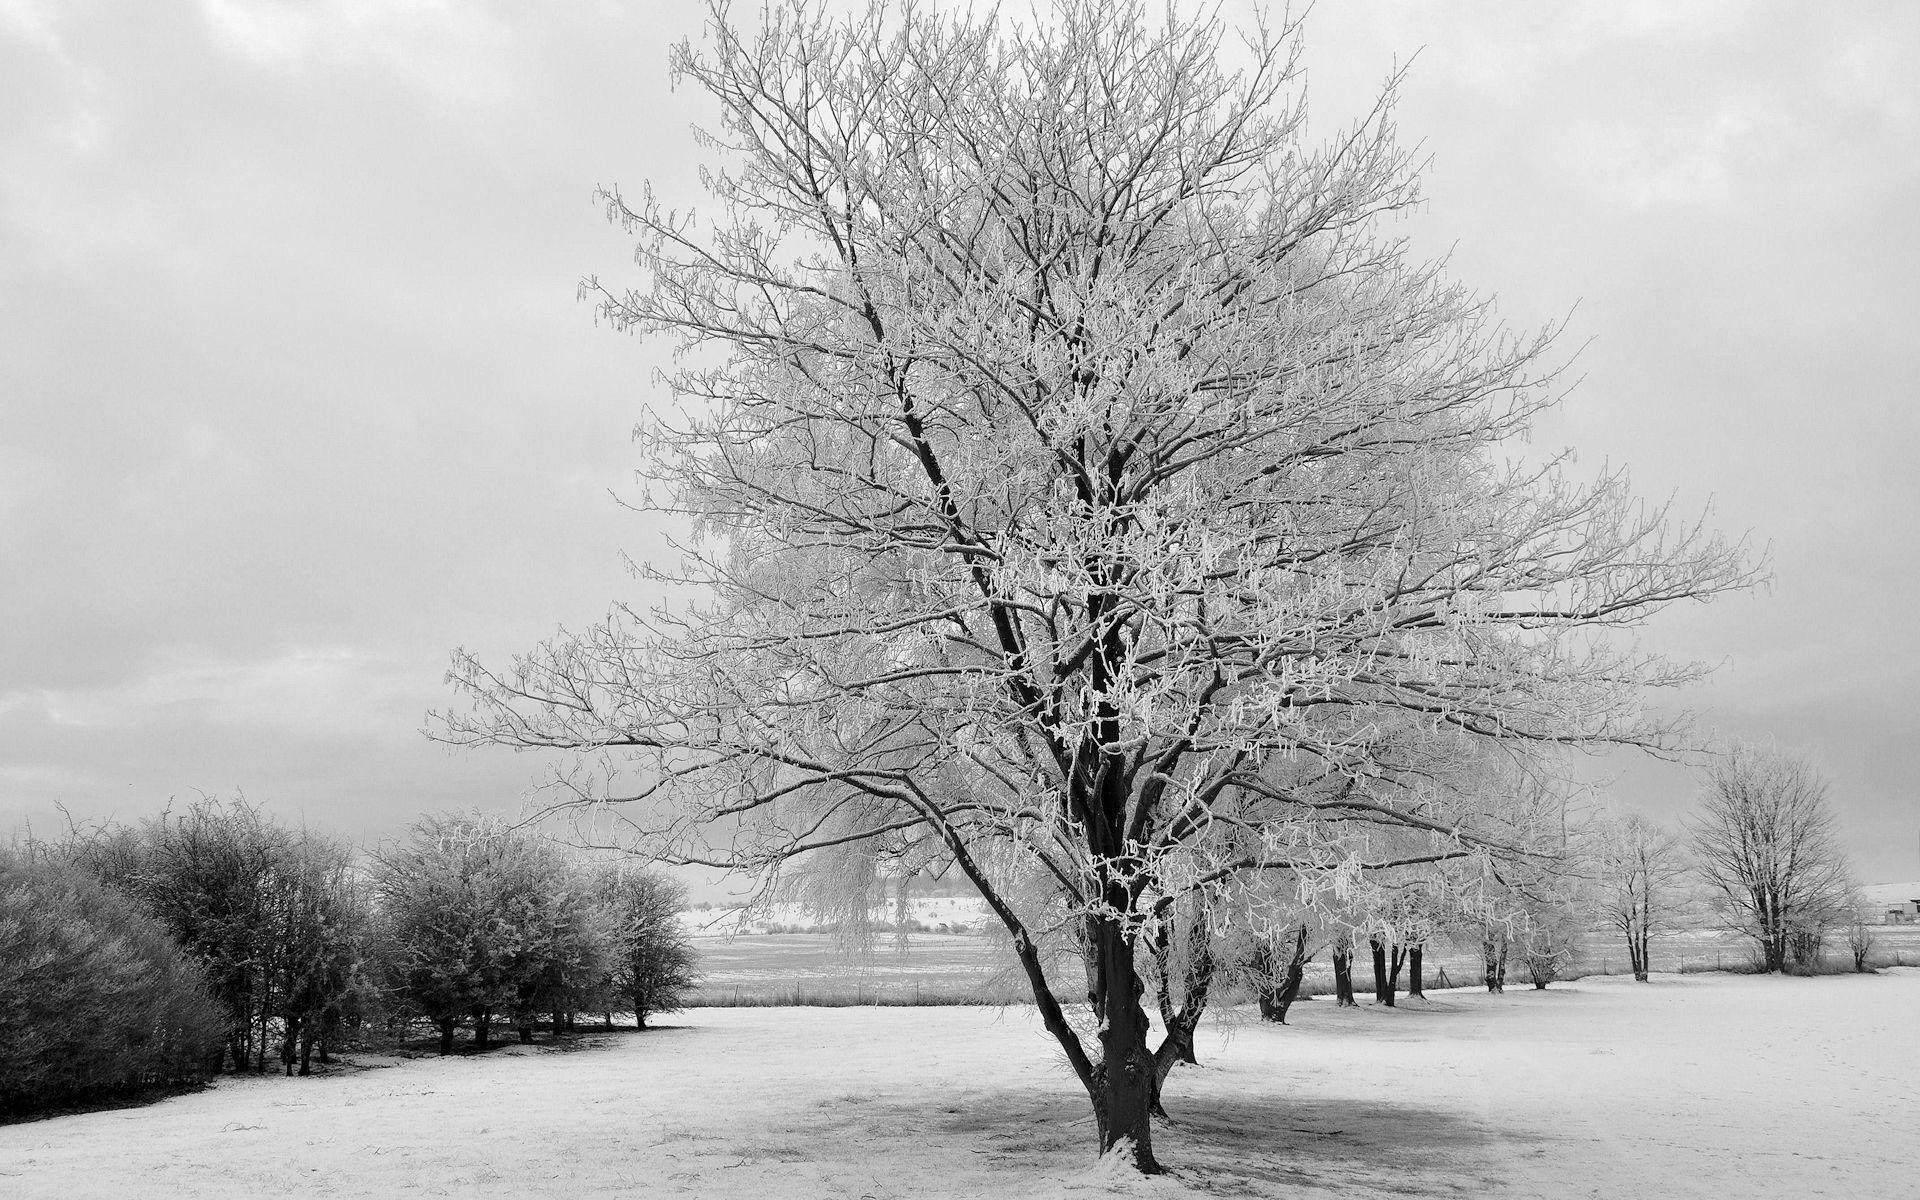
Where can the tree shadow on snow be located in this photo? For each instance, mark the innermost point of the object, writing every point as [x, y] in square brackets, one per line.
[1247, 1145]
[1266, 1145]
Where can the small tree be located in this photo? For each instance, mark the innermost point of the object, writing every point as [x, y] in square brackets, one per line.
[1550, 938]
[1640, 873]
[653, 959]
[1495, 939]
[1275, 968]
[1860, 940]
[1768, 848]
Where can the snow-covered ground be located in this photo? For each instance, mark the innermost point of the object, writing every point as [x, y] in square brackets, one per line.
[1702, 1085]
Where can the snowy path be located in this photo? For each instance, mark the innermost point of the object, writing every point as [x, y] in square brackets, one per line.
[1699, 1086]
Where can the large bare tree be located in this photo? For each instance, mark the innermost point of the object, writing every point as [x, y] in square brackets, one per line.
[1767, 845]
[1082, 483]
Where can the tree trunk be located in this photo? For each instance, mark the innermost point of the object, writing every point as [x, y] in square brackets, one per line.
[526, 1034]
[289, 1043]
[1124, 1081]
[482, 1021]
[1275, 1009]
[1416, 984]
[1343, 975]
[1399, 957]
[1382, 990]
[446, 1035]
[1493, 947]
[306, 1049]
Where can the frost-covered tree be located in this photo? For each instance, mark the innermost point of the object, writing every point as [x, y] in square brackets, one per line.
[1859, 931]
[1550, 936]
[320, 921]
[1767, 845]
[653, 962]
[1640, 880]
[276, 916]
[1081, 481]
[481, 919]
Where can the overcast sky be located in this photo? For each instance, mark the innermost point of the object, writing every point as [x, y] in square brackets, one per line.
[296, 395]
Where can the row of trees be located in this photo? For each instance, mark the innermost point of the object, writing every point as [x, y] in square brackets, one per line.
[1762, 854]
[292, 941]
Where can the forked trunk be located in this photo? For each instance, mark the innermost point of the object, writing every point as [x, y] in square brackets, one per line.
[1181, 1022]
[1493, 946]
[1275, 1001]
[1393, 972]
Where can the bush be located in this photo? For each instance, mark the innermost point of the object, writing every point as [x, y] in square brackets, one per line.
[96, 1001]
[276, 918]
[653, 961]
[479, 918]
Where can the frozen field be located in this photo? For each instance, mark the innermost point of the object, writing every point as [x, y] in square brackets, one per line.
[1705, 1085]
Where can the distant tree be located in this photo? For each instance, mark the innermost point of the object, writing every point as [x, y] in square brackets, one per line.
[653, 960]
[1550, 937]
[96, 1000]
[1278, 967]
[1860, 940]
[1494, 943]
[1640, 876]
[1767, 846]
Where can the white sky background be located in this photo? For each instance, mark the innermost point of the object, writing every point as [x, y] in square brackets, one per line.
[295, 393]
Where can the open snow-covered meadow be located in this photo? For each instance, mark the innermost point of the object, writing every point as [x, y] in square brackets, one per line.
[1703, 1085]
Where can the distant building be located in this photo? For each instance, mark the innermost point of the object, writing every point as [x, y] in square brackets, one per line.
[1893, 903]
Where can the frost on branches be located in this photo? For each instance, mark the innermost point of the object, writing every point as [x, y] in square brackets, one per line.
[1083, 486]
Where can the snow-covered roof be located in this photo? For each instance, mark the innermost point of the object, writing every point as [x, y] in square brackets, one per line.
[1891, 893]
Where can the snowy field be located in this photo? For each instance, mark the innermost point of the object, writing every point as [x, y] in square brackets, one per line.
[1703, 1085]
